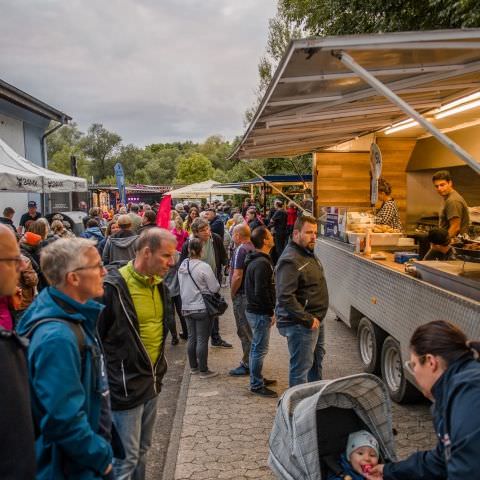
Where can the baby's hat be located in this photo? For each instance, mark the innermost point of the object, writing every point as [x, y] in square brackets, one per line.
[359, 439]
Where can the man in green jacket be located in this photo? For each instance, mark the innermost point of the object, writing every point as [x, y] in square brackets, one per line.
[133, 328]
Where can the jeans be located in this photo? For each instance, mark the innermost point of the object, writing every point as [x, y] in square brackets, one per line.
[307, 349]
[260, 325]
[215, 333]
[199, 328]
[135, 427]
[244, 331]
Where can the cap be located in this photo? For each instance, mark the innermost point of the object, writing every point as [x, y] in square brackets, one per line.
[32, 203]
[359, 439]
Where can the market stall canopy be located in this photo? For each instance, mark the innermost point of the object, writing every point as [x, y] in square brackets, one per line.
[319, 98]
[17, 174]
[205, 190]
[280, 179]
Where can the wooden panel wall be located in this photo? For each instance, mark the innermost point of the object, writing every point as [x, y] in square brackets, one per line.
[343, 178]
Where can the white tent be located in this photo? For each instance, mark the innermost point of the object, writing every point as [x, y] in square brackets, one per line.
[17, 174]
[204, 190]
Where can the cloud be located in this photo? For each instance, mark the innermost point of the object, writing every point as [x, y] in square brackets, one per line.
[150, 70]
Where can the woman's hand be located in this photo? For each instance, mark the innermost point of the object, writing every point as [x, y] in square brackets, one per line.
[376, 473]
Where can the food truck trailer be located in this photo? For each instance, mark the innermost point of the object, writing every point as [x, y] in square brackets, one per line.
[400, 106]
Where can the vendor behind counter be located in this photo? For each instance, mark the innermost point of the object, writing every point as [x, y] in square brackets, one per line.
[388, 212]
[440, 248]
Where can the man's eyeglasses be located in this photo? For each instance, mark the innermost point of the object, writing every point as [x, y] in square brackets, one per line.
[18, 261]
[99, 266]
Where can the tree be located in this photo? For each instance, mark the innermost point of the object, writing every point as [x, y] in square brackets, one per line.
[99, 145]
[194, 168]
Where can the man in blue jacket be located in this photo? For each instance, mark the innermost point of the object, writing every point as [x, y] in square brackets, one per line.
[70, 396]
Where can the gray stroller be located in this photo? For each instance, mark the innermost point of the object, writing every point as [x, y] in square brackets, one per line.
[313, 422]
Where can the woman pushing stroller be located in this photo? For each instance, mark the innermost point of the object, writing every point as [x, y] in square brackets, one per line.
[446, 368]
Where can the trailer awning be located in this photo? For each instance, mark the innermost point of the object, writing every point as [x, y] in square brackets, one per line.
[315, 101]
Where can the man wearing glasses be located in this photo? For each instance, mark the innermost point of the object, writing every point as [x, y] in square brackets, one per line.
[70, 396]
[17, 457]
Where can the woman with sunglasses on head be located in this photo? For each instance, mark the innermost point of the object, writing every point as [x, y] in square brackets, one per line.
[446, 368]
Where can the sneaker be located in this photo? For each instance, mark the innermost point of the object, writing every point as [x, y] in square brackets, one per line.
[175, 340]
[264, 392]
[222, 344]
[194, 371]
[208, 374]
[241, 370]
[267, 382]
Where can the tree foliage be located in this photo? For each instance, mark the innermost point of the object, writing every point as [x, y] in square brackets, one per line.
[194, 168]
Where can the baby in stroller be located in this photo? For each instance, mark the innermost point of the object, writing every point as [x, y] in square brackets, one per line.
[360, 457]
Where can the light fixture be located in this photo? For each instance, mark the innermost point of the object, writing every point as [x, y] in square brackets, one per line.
[461, 108]
[460, 101]
[397, 127]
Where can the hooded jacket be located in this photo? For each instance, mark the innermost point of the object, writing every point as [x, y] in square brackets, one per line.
[217, 226]
[66, 391]
[94, 233]
[457, 424]
[132, 377]
[301, 288]
[119, 247]
[259, 283]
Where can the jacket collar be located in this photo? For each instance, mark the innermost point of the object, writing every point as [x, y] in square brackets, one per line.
[89, 310]
[440, 386]
[300, 249]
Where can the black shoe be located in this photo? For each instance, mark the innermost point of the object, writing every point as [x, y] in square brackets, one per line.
[264, 392]
[184, 336]
[175, 340]
[222, 344]
[268, 382]
[241, 370]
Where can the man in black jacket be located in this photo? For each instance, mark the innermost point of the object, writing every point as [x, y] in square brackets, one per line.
[8, 214]
[216, 224]
[133, 328]
[260, 293]
[215, 255]
[278, 226]
[302, 303]
[17, 457]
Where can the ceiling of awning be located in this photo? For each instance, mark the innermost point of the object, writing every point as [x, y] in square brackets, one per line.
[314, 102]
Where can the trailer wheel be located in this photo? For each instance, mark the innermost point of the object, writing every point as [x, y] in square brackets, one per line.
[399, 388]
[369, 340]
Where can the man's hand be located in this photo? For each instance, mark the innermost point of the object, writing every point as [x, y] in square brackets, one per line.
[108, 470]
[274, 319]
[376, 473]
[315, 324]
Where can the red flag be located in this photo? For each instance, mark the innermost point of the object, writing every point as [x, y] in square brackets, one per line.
[163, 214]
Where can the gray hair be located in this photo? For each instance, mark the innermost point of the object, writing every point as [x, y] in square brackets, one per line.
[63, 256]
[153, 238]
[198, 224]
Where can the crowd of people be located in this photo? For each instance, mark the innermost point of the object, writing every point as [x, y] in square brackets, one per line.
[84, 324]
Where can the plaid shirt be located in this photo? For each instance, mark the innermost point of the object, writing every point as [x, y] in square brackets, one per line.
[388, 215]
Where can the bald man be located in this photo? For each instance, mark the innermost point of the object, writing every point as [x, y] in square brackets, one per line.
[243, 245]
[17, 456]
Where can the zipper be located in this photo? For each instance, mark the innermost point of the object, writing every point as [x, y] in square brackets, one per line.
[153, 369]
[124, 379]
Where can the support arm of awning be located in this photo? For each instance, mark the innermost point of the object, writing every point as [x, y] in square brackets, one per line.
[382, 89]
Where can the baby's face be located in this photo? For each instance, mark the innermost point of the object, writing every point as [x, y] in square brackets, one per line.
[363, 456]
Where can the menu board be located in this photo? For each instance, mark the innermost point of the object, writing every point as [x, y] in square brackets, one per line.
[333, 222]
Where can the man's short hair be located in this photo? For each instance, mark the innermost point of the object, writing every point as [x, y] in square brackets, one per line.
[302, 220]
[438, 236]
[258, 236]
[7, 211]
[64, 256]
[150, 216]
[124, 222]
[243, 230]
[278, 203]
[92, 223]
[442, 175]
[134, 208]
[154, 238]
[199, 224]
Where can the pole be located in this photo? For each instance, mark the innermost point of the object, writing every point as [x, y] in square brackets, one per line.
[381, 88]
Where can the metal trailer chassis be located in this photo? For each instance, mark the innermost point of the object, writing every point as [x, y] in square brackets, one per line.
[386, 306]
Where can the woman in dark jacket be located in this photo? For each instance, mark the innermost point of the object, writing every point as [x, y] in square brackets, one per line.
[447, 371]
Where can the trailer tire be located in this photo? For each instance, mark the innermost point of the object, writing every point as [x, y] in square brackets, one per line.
[399, 388]
[370, 338]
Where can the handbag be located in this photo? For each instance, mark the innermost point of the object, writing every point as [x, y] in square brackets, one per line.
[214, 302]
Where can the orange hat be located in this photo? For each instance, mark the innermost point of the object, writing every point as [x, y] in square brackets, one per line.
[32, 238]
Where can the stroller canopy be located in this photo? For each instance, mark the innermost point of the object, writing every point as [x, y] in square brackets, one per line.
[294, 440]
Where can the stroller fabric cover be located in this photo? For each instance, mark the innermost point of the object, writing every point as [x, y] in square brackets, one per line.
[296, 433]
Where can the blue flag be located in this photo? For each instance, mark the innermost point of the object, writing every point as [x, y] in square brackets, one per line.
[120, 176]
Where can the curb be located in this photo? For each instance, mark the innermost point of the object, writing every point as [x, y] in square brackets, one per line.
[176, 432]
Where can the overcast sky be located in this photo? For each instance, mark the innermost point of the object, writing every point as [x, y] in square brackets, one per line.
[150, 70]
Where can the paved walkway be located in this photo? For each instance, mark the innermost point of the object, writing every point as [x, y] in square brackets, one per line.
[222, 429]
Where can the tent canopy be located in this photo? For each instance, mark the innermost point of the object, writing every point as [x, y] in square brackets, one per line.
[316, 101]
[17, 174]
[204, 190]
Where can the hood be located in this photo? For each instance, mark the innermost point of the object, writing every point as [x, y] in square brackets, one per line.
[45, 306]
[253, 255]
[95, 231]
[123, 242]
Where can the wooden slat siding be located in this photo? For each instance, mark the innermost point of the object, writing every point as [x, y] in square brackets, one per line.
[343, 178]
